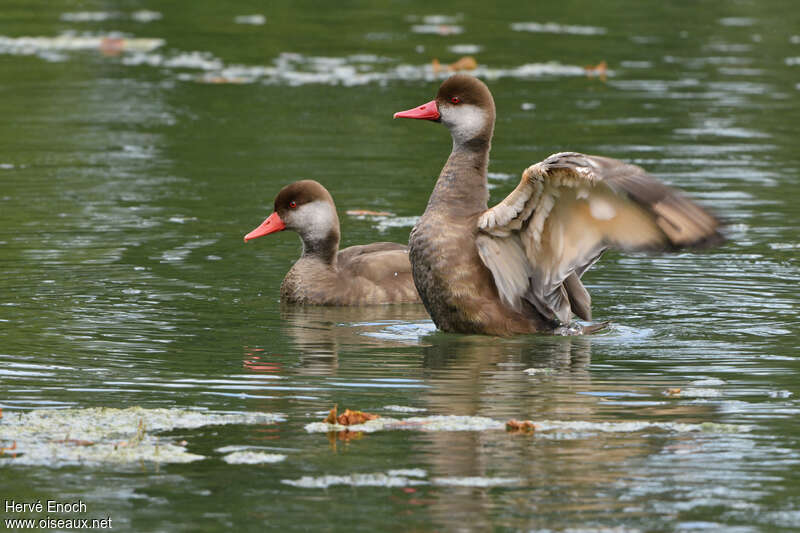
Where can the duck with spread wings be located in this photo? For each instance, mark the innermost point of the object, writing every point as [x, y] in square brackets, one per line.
[516, 267]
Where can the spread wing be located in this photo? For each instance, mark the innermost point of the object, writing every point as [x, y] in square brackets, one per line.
[565, 212]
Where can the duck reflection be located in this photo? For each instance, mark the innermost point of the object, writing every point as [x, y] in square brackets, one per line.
[535, 377]
[538, 378]
[446, 350]
[320, 332]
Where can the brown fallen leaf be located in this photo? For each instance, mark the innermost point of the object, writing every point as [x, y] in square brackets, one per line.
[331, 418]
[520, 426]
[222, 80]
[672, 392]
[600, 70]
[112, 46]
[465, 63]
[368, 213]
[349, 417]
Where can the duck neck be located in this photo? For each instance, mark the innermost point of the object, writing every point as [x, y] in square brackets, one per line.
[322, 248]
[462, 188]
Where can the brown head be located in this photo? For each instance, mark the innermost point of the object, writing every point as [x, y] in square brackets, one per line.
[305, 207]
[463, 104]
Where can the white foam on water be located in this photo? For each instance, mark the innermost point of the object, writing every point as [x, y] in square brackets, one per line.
[707, 382]
[378, 479]
[476, 481]
[438, 29]
[385, 223]
[253, 458]
[255, 20]
[737, 21]
[553, 27]
[398, 478]
[403, 332]
[408, 472]
[145, 16]
[88, 16]
[404, 409]
[465, 48]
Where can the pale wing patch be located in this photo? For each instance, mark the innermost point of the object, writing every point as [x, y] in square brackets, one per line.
[601, 209]
[580, 220]
[506, 260]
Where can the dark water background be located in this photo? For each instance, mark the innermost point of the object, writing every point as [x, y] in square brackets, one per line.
[127, 181]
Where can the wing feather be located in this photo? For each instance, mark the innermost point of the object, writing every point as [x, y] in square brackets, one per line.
[565, 212]
[510, 268]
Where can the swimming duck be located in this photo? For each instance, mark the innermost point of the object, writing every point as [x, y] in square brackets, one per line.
[378, 273]
[517, 267]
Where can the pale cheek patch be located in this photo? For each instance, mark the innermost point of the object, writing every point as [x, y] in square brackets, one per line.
[315, 219]
[467, 122]
[601, 209]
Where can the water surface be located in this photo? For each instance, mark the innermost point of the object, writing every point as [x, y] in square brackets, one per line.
[140, 142]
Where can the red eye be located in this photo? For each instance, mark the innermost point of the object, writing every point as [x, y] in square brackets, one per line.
[455, 100]
[292, 204]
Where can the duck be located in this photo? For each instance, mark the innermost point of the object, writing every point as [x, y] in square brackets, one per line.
[368, 274]
[516, 268]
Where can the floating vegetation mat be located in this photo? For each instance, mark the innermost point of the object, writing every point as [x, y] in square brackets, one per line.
[69, 42]
[404, 409]
[549, 428]
[249, 455]
[287, 68]
[398, 478]
[57, 437]
[253, 458]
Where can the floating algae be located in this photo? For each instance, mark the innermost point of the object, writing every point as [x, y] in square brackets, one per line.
[404, 409]
[377, 479]
[539, 371]
[58, 437]
[67, 42]
[475, 481]
[560, 428]
[397, 478]
[692, 392]
[422, 423]
[287, 68]
[252, 458]
[408, 472]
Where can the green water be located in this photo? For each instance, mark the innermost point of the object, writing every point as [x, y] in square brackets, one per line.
[127, 182]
